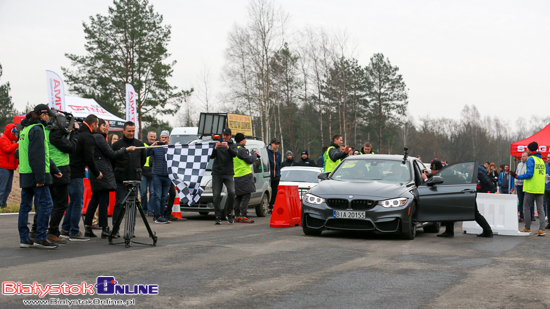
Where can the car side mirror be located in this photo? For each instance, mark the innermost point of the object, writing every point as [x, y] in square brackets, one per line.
[435, 180]
[323, 176]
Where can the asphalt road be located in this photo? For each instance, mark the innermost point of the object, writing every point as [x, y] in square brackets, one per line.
[199, 265]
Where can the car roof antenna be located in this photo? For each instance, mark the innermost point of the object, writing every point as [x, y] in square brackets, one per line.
[406, 154]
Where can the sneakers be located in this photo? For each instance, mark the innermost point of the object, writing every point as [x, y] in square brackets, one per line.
[218, 221]
[53, 238]
[162, 220]
[539, 233]
[78, 237]
[230, 219]
[525, 231]
[246, 220]
[89, 232]
[150, 214]
[26, 244]
[45, 244]
[170, 217]
[238, 219]
[64, 234]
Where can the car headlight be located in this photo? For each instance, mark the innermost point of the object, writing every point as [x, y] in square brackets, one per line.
[396, 202]
[312, 199]
[208, 186]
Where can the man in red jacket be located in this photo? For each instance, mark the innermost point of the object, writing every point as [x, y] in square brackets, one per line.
[8, 163]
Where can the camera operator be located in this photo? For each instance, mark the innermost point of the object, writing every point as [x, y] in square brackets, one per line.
[222, 173]
[161, 182]
[35, 171]
[128, 166]
[60, 145]
[80, 158]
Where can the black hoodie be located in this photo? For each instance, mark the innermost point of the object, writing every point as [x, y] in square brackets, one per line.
[84, 154]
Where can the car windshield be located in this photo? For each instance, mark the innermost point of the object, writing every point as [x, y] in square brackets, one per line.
[299, 176]
[181, 139]
[389, 171]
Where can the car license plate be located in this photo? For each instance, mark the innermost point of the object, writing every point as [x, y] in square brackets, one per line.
[349, 214]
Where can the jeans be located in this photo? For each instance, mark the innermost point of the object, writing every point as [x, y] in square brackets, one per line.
[274, 189]
[529, 197]
[6, 179]
[161, 186]
[521, 197]
[74, 211]
[100, 199]
[43, 198]
[217, 185]
[146, 183]
[60, 199]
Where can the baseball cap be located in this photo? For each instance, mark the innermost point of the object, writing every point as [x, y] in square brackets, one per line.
[41, 108]
[436, 165]
[304, 152]
[227, 131]
[275, 141]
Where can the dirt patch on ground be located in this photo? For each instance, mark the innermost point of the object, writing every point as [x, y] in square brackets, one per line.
[14, 199]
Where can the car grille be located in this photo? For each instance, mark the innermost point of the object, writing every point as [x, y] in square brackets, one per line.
[362, 204]
[338, 203]
[314, 222]
[390, 226]
[350, 224]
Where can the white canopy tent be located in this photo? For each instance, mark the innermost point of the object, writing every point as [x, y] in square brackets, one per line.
[81, 108]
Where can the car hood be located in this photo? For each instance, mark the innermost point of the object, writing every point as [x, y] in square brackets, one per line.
[365, 189]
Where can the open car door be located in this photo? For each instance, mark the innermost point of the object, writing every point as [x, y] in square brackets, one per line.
[452, 200]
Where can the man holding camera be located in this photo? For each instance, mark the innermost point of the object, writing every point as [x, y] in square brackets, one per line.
[128, 166]
[81, 157]
[222, 173]
[161, 182]
[61, 143]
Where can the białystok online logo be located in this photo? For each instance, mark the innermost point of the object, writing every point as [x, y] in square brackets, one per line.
[105, 285]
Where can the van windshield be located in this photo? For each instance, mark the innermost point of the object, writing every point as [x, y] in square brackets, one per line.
[182, 139]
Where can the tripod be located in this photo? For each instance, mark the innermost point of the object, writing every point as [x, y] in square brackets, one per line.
[130, 204]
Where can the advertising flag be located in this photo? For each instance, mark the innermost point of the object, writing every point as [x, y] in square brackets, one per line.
[56, 91]
[131, 107]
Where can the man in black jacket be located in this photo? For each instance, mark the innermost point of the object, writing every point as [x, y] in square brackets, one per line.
[222, 173]
[306, 161]
[60, 147]
[80, 158]
[128, 166]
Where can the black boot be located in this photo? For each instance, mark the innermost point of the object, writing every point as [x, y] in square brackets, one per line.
[488, 234]
[88, 232]
[105, 232]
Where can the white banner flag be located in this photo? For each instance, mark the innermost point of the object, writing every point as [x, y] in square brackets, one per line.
[131, 107]
[56, 91]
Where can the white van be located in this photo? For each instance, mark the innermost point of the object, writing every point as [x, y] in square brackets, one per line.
[183, 135]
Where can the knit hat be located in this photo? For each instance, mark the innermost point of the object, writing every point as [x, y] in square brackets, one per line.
[165, 133]
[304, 152]
[533, 146]
[289, 153]
[239, 137]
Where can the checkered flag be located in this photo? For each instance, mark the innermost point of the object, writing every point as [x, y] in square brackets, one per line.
[186, 166]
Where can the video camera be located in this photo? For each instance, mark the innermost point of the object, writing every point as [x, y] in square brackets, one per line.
[61, 121]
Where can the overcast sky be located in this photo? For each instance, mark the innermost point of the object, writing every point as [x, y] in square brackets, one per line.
[491, 54]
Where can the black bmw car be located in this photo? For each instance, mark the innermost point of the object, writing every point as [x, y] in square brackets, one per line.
[386, 194]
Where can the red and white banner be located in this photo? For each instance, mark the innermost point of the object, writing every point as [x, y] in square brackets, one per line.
[56, 91]
[131, 107]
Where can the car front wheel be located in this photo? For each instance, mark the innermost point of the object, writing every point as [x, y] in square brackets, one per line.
[308, 231]
[410, 229]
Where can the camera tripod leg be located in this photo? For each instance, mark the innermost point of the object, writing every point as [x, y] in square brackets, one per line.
[151, 234]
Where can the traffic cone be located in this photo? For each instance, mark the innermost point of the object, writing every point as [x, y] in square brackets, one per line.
[176, 210]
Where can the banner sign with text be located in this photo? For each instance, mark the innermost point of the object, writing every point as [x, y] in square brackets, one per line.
[131, 107]
[240, 124]
[56, 91]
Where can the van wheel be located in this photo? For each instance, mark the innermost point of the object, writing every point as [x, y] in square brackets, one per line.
[204, 213]
[261, 209]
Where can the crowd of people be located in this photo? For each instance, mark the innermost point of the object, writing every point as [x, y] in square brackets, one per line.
[54, 161]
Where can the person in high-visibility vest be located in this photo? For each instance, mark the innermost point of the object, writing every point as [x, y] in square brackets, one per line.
[534, 181]
[35, 169]
[244, 180]
[333, 156]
